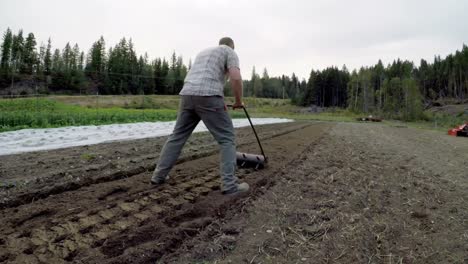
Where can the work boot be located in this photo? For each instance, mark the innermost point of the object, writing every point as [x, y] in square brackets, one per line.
[240, 188]
[158, 180]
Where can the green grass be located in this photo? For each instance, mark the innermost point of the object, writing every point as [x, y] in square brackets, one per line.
[440, 121]
[88, 156]
[41, 113]
[18, 114]
[57, 111]
[300, 113]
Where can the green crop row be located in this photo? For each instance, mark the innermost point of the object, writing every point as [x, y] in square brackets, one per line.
[41, 113]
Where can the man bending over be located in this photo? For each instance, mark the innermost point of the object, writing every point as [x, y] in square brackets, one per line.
[202, 98]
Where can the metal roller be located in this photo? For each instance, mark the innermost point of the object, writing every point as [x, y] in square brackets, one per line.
[247, 160]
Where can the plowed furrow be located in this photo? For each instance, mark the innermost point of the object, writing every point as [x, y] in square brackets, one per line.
[123, 217]
[92, 176]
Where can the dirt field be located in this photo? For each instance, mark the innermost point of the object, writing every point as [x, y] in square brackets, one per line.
[332, 193]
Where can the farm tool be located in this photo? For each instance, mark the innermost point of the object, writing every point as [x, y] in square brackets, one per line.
[460, 131]
[247, 160]
[369, 118]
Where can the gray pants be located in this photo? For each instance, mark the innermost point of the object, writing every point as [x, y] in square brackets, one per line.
[209, 109]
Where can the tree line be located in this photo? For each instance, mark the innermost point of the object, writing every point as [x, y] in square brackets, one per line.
[284, 87]
[402, 90]
[399, 90]
[391, 91]
[117, 70]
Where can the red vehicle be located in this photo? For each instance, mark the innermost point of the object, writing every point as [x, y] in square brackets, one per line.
[460, 131]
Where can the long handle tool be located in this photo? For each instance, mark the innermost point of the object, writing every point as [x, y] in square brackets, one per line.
[247, 160]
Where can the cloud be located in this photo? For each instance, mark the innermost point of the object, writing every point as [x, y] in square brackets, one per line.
[283, 36]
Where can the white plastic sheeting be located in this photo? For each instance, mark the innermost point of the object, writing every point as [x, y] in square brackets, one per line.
[27, 140]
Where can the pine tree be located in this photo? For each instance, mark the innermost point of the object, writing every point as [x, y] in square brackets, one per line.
[180, 73]
[29, 55]
[258, 86]
[17, 51]
[294, 89]
[57, 64]
[253, 78]
[412, 107]
[77, 77]
[58, 80]
[139, 72]
[157, 73]
[48, 59]
[172, 74]
[40, 59]
[6, 52]
[67, 57]
[164, 76]
[97, 59]
[5, 61]
[147, 84]
[132, 66]
[265, 74]
[81, 61]
[309, 95]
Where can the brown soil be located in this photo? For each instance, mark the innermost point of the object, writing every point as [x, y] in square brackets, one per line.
[332, 193]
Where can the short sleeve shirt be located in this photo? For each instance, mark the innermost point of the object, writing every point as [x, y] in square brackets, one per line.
[207, 75]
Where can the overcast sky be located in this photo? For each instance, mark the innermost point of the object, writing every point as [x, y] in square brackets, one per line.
[283, 36]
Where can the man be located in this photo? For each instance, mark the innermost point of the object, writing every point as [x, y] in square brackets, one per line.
[202, 98]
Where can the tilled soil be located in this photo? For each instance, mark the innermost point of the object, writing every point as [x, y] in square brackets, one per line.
[332, 193]
[80, 209]
[31, 176]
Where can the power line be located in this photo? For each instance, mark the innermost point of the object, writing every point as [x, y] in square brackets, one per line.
[19, 75]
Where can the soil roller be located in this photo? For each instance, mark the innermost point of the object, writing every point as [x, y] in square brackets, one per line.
[247, 160]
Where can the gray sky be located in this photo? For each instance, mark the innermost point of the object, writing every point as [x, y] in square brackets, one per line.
[283, 36]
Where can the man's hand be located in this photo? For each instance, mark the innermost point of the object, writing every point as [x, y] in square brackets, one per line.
[238, 105]
[234, 106]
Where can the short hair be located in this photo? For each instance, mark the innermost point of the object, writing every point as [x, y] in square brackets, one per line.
[227, 41]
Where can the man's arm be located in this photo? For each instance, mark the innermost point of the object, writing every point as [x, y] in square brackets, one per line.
[235, 79]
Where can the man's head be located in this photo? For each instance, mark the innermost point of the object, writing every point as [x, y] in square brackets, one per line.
[227, 41]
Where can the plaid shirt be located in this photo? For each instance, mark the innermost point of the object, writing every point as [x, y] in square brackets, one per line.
[207, 75]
